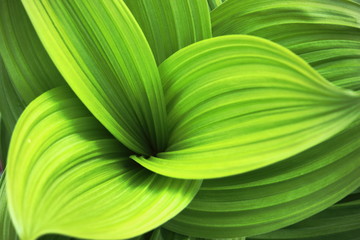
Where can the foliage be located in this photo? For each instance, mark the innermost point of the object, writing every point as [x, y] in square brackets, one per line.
[180, 119]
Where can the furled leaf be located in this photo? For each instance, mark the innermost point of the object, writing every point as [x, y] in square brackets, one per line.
[341, 221]
[325, 33]
[29, 66]
[103, 55]
[67, 175]
[275, 196]
[171, 25]
[238, 103]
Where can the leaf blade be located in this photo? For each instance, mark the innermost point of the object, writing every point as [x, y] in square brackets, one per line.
[171, 25]
[115, 196]
[103, 55]
[325, 34]
[275, 196]
[338, 221]
[249, 102]
[11, 106]
[31, 70]
[7, 228]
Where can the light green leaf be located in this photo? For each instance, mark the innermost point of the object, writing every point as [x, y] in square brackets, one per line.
[275, 196]
[325, 33]
[341, 221]
[29, 66]
[238, 103]
[67, 175]
[100, 50]
[171, 25]
[7, 228]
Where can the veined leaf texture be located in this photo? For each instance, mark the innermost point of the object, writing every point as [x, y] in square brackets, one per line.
[180, 120]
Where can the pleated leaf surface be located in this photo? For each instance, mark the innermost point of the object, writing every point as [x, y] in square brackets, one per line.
[238, 103]
[171, 25]
[324, 33]
[103, 55]
[67, 175]
[341, 221]
[31, 70]
[275, 196]
[11, 106]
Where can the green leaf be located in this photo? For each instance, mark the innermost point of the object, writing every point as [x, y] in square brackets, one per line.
[171, 25]
[214, 3]
[275, 196]
[164, 234]
[67, 175]
[145, 236]
[11, 106]
[102, 53]
[4, 144]
[341, 221]
[7, 229]
[325, 33]
[238, 103]
[56, 237]
[29, 66]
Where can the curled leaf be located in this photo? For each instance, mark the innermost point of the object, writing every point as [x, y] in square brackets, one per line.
[238, 103]
[67, 175]
[103, 55]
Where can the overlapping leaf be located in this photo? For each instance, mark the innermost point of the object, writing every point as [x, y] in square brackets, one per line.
[214, 3]
[341, 221]
[163, 234]
[11, 106]
[325, 33]
[171, 25]
[4, 139]
[276, 196]
[237, 103]
[67, 175]
[100, 50]
[29, 66]
[7, 229]
[142, 237]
